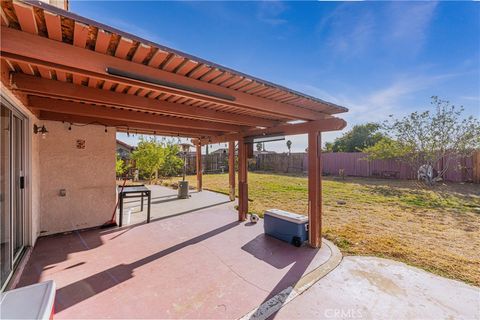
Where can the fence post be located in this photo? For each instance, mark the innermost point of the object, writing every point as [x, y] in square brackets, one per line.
[476, 166]
[199, 167]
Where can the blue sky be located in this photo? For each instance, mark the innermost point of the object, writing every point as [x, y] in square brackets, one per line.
[376, 58]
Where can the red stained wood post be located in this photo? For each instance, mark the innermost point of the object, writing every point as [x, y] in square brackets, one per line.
[242, 181]
[199, 167]
[315, 189]
[231, 169]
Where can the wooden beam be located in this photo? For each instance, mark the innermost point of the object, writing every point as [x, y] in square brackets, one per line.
[90, 63]
[4, 18]
[103, 41]
[329, 124]
[26, 17]
[54, 25]
[158, 58]
[123, 48]
[231, 169]
[141, 53]
[125, 125]
[314, 189]
[199, 166]
[44, 87]
[81, 109]
[80, 35]
[242, 181]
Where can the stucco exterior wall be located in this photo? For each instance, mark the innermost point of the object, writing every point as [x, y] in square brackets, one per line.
[34, 181]
[87, 175]
[62, 4]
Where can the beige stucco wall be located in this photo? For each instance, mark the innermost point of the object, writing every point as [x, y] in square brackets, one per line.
[62, 4]
[34, 181]
[55, 163]
[87, 175]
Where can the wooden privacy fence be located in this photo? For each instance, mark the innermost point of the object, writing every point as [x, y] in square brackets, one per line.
[212, 163]
[351, 163]
[354, 164]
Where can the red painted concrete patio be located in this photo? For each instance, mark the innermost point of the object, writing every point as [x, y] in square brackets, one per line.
[203, 264]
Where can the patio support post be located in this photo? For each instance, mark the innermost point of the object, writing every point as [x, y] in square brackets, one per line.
[314, 189]
[199, 167]
[242, 181]
[231, 169]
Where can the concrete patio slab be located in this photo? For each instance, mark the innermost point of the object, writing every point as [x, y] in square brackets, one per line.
[375, 288]
[202, 264]
[166, 204]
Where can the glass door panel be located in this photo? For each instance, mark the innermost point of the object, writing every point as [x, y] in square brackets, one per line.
[12, 204]
[5, 196]
[17, 187]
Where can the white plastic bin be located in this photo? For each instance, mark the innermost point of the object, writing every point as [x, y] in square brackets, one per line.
[30, 302]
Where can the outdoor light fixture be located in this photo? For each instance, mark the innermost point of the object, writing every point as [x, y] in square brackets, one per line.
[139, 77]
[183, 185]
[42, 130]
[264, 138]
[185, 149]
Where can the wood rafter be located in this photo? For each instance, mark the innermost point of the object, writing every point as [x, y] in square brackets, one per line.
[17, 45]
[57, 89]
[330, 124]
[82, 109]
[125, 126]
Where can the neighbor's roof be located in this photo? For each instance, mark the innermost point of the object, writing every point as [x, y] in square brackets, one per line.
[218, 92]
[125, 145]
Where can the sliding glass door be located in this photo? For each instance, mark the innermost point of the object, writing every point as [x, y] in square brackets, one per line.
[12, 198]
[5, 195]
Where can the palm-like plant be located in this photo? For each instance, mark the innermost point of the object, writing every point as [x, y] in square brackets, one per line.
[289, 146]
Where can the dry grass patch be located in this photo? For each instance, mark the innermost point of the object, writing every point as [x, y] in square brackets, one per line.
[436, 230]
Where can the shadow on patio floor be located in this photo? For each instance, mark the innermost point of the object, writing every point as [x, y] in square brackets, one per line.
[97, 283]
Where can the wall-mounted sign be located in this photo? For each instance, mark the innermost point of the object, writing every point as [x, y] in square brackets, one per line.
[80, 144]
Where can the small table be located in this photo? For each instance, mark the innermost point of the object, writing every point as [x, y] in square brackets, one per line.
[139, 191]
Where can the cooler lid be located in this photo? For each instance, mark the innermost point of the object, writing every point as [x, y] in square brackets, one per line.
[31, 302]
[288, 216]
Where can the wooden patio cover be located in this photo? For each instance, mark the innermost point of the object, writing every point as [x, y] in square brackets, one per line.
[64, 67]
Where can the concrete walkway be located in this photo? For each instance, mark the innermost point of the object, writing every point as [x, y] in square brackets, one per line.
[375, 288]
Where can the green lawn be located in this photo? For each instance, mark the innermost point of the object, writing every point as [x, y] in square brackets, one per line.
[436, 230]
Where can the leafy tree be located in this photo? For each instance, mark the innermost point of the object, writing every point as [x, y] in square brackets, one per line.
[172, 164]
[431, 139]
[152, 156]
[148, 156]
[259, 146]
[289, 146]
[386, 148]
[358, 138]
[328, 147]
[120, 167]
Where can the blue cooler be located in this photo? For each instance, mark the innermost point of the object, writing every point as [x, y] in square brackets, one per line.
[286, 226]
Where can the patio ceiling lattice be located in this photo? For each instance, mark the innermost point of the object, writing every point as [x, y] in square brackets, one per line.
[68, 68]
